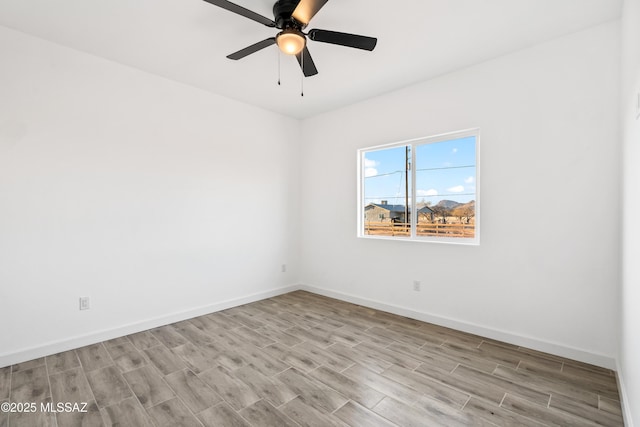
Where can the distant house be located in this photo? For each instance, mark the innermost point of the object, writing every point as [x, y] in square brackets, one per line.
[425, 212]
[384, 212]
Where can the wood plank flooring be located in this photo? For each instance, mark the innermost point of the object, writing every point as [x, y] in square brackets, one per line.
[302, 359]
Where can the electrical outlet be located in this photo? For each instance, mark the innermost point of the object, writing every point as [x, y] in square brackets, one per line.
[416, 285]
[284, 268]
[85, 303]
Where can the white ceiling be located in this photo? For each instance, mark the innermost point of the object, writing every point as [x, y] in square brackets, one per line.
[187, 41]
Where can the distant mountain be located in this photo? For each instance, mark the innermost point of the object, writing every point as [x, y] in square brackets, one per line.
[471, 204]
[448, 204]
[465, 207]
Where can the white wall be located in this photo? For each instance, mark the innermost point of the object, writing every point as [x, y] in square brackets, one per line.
[630, 298]
[155, 199]
[546, 273]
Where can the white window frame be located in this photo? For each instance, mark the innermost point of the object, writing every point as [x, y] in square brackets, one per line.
[414, 214]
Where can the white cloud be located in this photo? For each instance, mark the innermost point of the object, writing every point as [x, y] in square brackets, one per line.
[368, 163]
[456, 189]
[454, 151]
[370, 172]
[425, 193]
[370, 167]
[469, 180]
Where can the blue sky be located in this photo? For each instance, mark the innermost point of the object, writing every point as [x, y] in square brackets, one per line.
[444, 171]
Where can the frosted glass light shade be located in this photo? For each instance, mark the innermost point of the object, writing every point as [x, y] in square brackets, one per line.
[291, 41]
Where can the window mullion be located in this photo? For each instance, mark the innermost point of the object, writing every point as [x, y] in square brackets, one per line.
[414, 210]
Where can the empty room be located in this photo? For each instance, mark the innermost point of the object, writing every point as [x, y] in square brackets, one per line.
[319, 213]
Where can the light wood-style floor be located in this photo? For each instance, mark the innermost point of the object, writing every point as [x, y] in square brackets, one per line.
[305, 360]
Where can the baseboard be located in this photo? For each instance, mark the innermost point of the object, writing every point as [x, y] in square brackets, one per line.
[54, 347]
[624, 400]
[107, 334]
[508, 337]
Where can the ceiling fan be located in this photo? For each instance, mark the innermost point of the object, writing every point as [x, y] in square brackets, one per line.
[292, 17]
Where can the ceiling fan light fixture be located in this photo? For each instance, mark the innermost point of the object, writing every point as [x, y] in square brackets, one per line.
[291, 41]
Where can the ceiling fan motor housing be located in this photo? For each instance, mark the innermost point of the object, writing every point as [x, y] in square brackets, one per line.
[282, 11]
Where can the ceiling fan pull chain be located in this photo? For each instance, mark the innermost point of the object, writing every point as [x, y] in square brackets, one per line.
[302, 74]
[278, 53]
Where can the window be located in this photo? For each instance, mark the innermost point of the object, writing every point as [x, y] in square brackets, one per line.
[424, 189]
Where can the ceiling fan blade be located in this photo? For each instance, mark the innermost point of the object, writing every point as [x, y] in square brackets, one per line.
[252, 49]
[232, 7]
[343, 39]
[307, 9]
[306, 63]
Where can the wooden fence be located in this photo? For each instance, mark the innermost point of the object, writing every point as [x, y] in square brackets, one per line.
[422, 229]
